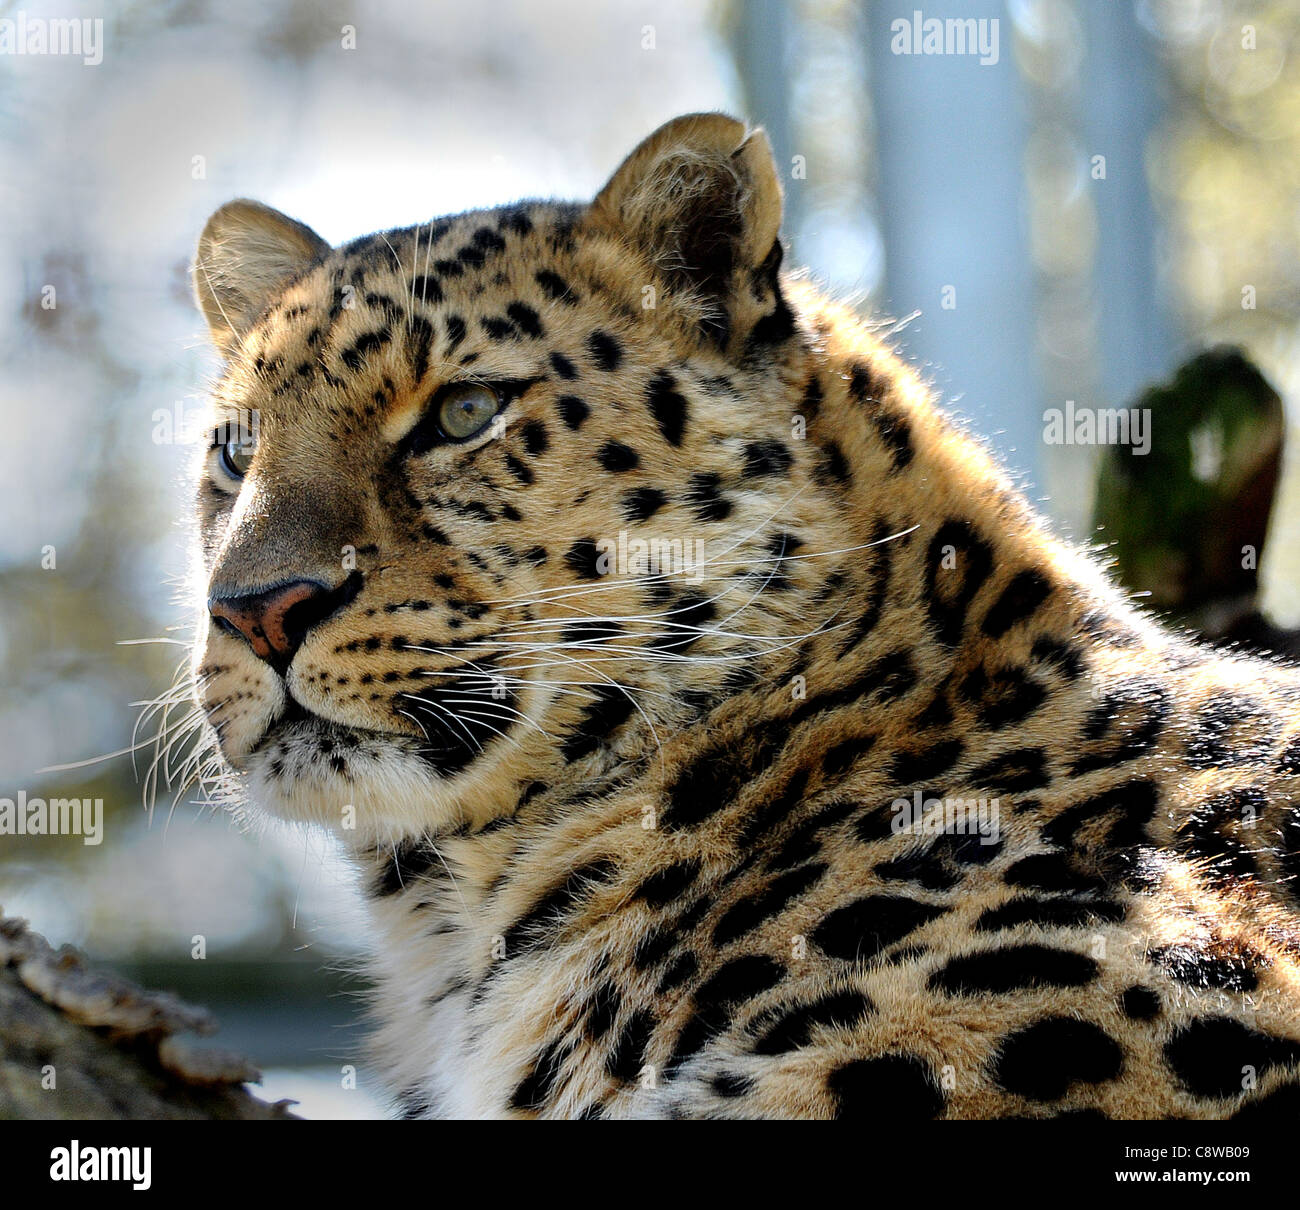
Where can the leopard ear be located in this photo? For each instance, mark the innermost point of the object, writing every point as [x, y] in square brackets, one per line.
[246, 253]
[700, 197]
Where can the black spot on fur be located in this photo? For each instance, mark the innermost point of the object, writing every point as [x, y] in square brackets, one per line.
[863, 928]
[685, 622]
[1280, 1107]
[573, 411]
[555, 287]
[488, 240]
[582, 557]
[1051, 913]
[657, 944]
[793, 1028]
[1212, 833]
[537, 1087]
[957, 564]
[1049, 872]
[880, 552]
[1230, 730]
[767, 458]
[896, 433]
[680, 970]
[536, 439]
[455, 332]
[731, 1084]
[354, 357]
[404, 865]
[602, 1010]
[666, 885]
[747, 915]
[730, 985]
[802, 844]
[864, 387]
[563, 367]
[768, 813]
[812, 397]
[1026, 592]
[780, 546]
[833, 466]
[926, 868]
[616, 457]
[1210, 1055]
[1129, 806]
[889, 1089]
[667, 406]
[1139, 1003]
[846, 753]
[1043, 1060]
[642, 503]
[426, 289]
[704, 497]
[1124, 725]
[1193, 965]
[552, 909]
[1020, 769]
[1013, 968]
[713, 780]
[520, 470]
[628, 1056]
[600, 719]
[1001, 697]
[925, 764]
[511, 218]
[1060, 656]
[605, 351]
[419, 341]
[497, 328]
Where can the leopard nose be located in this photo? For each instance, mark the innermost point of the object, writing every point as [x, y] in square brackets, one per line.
[276, 620]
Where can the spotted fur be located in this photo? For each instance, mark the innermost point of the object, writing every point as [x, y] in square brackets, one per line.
[631, 842]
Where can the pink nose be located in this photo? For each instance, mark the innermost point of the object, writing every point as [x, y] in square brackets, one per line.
[274, 622]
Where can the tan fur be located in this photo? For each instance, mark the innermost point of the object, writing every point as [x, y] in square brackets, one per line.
[525, 949]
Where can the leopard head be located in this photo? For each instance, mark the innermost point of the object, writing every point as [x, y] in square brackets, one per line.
[500, 496]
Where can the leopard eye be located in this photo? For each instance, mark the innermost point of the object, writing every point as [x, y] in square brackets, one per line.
[465, 411]
[236, 457]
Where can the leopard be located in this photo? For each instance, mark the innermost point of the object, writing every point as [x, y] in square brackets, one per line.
[714, 727]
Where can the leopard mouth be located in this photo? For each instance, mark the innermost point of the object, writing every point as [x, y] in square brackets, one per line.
[297, 719]
[457, 725]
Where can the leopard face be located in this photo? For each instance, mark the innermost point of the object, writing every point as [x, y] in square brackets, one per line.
[495, 494]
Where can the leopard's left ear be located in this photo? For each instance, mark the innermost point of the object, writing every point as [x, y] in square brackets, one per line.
[701, 198]
[247, 253]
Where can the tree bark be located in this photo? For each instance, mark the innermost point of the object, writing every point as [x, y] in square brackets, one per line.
[77, 1044]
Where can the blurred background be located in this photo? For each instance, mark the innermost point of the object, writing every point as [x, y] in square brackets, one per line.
[1117, 187]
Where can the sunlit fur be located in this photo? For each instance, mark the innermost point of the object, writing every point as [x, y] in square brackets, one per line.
[613, 890]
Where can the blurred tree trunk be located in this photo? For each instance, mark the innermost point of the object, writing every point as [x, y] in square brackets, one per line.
[1188, 519]
[78, 1045]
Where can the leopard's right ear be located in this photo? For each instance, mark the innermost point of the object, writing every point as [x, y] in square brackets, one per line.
[701, 198]
[246, 253]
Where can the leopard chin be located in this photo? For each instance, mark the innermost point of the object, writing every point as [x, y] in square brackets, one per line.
[367, 783]
[359, 785]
